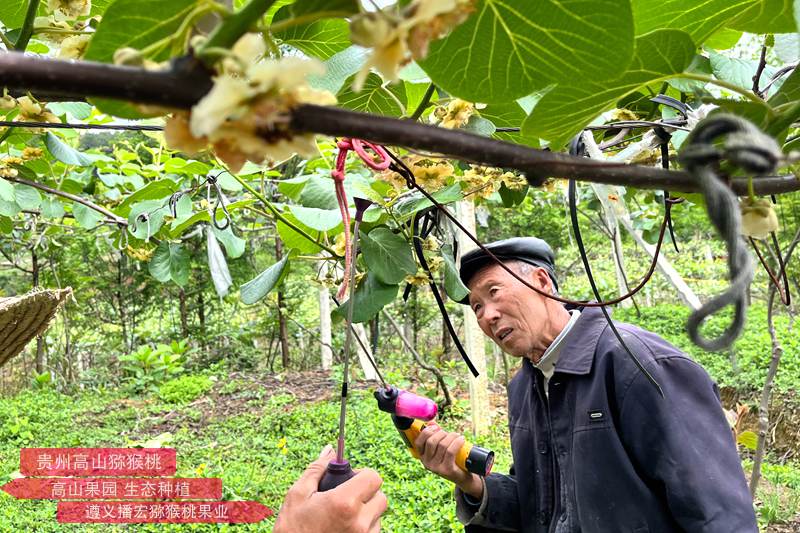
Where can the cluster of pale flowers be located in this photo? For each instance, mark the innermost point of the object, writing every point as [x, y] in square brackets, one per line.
[484, 181]
[57, 28]
[246, 115]
[397, 37]
[455, 114]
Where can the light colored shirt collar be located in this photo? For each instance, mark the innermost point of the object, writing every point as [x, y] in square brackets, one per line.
[547, 364]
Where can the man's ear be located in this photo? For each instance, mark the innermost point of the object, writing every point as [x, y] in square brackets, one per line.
[543, 279]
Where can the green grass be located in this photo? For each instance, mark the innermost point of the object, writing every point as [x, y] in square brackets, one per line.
[242, 449]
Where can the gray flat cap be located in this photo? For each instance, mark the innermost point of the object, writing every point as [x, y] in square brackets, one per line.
[531, 250]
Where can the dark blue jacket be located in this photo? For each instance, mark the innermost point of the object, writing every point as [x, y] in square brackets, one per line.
[606, 453]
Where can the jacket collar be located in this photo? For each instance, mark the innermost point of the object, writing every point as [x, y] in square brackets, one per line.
[577, 354]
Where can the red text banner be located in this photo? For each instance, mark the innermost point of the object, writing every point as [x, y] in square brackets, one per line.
[97, 461]
[110, 512]
[115, 488]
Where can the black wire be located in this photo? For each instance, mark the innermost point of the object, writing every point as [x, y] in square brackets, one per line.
[67, 125]
[438, 297]
[573, 213]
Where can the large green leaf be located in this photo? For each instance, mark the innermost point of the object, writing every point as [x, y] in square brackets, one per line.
[155, 190]
[52, 208]
[387, 255]
[322, 38]
[170, 262]
[152, 213]
[737, 71]
[296, 241]
[136, 24]
[509, 115]
[565, 110]
[12, 13]
[509, 48]
[374, 97]
[87, 217]
[65, 153]
[306, 7]
[27, 197]
[767, 16]
[258, 287]
[453, 285]
[9, 209]
[318, 219]
[6, 191]
[338, 68]
[698, 19]
[6, 225]
[217, 266]
[370, 297]
[416, 201]
[319, 192]
[789, 91]
[233, 244]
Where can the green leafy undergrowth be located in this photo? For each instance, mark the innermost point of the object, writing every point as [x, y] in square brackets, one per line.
[185, 389]
[258, 454]
[752, 351]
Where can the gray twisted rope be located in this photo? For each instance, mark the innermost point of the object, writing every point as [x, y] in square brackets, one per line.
[755, 153]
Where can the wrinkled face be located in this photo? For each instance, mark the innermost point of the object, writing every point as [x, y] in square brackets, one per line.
[516, 318]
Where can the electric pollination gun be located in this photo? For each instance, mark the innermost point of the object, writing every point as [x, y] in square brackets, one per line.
[409, 414]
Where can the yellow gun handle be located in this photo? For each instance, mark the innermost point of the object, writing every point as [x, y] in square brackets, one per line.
[470, 458]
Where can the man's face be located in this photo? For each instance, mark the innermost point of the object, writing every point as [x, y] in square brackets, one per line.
[516, 318]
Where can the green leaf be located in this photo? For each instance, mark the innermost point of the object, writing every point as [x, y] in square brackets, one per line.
[6, 190]
[292, 187]
[319, 192]
[737, 71]
[52, 208]
[27, 197]
[155, 190]
[258, 287]
[512, 197]
[416, 202]
[6, 225]
[767, 16]
[789, 91]
[338, 68]
[78, 110]
[748, 439]
[170, 262]
[453, 285]
[508, 115]
[12, 13]
[787, 45]
[369, 298]
[374, 97]
[699, 19]
[322, 38]
[510, 48]
[137, 24]
[9, 209]
[723, 39]
[233, 244]
[154, 211]
[65, 153]
[305, 7]
[480, 126]
[87, 217]
[566, 110]
[699, 65]
[387, 255]
[318, 219]
[294, 240]
[218, 266]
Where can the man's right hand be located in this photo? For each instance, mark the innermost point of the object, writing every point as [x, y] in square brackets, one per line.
[355, 506]
[438, 449]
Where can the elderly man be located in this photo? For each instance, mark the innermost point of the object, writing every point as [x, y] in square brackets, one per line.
[596, 447]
